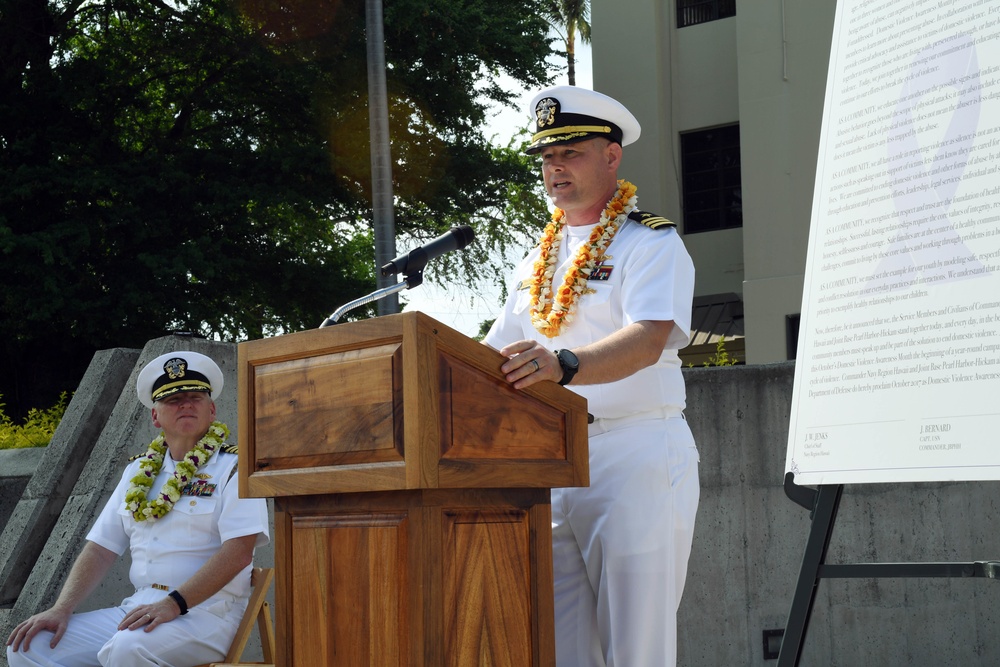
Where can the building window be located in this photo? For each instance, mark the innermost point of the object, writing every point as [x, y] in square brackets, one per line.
[710, 176]
[693, 12]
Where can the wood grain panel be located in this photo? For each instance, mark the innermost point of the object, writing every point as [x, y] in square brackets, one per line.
[329, 479]
[421, 541]
[349, 590]
[487, 588]
[483, 418]
[334, 409]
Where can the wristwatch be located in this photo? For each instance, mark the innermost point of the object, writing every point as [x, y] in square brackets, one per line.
[569, 363]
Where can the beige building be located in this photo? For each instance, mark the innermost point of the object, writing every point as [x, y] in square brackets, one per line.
[730, 97]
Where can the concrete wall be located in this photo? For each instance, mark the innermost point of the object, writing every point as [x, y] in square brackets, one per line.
[16, 469]
[58, 470]
[748, 546]
[749, 541]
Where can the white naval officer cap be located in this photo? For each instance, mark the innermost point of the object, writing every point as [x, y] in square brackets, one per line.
[565, 114]
[176, 372]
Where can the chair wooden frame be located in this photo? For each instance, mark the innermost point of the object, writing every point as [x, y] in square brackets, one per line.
[259, 611]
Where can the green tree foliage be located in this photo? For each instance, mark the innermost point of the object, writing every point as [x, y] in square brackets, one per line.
[203, 165]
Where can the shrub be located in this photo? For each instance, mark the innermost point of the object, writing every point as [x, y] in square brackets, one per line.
[721, 356]
[37, 429]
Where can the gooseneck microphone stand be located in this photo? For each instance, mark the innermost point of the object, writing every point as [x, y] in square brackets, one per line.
[410, 280]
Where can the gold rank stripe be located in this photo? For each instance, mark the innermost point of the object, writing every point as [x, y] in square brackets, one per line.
[651, 220]
[189, 385]
[571, 129]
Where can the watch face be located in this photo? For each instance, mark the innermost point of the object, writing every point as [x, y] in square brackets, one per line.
[570, 365]
[568, 360]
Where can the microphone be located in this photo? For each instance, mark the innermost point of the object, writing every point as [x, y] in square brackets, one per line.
[414, 261]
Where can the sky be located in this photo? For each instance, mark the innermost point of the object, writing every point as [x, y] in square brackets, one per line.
[464, 308]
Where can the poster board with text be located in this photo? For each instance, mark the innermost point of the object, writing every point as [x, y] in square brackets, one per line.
[898, 367]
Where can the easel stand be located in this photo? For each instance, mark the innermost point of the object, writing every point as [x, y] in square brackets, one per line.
[823, 503]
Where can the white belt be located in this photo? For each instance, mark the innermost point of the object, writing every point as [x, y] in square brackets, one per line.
[605, 424]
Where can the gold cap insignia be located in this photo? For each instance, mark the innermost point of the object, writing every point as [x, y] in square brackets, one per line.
[545, 112]
[175, 368]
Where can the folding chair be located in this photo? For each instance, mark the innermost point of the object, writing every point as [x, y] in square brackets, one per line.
[257, 610]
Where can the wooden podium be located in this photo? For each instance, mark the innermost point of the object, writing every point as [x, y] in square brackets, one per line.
[411, 487]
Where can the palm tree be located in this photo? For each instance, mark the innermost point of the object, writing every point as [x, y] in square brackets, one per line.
[569, 17]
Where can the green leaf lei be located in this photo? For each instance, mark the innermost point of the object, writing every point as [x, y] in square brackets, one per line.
[152, 462]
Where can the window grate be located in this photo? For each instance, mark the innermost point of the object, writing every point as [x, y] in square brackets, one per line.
[693, 12]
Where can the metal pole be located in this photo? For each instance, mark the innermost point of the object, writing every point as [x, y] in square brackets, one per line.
[381, 157]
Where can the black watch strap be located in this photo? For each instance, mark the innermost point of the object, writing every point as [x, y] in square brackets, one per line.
[179, 599]
[569, 363]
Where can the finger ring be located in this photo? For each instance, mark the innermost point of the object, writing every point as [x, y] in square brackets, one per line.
[535, 362]
[148, 616]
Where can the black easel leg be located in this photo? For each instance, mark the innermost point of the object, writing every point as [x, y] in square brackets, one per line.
[823, 517]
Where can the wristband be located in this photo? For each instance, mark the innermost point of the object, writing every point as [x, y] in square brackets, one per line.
[179, 599]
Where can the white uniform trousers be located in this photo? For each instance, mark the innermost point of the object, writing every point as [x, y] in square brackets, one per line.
[621, 545]
[92, 638]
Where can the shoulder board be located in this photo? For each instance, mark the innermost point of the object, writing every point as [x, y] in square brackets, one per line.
[136, 457]
[651, 220]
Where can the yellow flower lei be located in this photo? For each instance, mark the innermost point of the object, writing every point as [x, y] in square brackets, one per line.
[550, 314]
[151, 464]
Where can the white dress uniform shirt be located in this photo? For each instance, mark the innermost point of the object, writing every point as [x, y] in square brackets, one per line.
[649, 276]
[169, 550]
